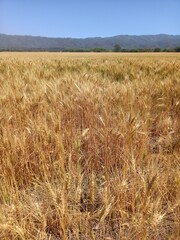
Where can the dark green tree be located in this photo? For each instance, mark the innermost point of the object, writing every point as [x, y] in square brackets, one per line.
[177, 49]
[157, 49]
[117, 48]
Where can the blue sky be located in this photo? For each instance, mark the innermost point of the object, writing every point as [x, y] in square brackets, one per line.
[82, 18]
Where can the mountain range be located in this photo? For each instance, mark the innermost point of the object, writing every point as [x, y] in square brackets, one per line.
[18, 42]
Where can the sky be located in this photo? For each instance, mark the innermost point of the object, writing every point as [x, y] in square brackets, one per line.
[89, 18]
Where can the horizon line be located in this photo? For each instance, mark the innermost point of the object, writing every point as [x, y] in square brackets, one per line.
[133, 35]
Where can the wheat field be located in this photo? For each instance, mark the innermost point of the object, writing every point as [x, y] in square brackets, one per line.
[89, 146]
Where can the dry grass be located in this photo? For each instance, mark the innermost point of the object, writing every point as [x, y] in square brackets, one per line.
[89, 146]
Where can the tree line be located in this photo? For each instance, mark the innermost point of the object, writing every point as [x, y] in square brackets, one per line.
[116, 48]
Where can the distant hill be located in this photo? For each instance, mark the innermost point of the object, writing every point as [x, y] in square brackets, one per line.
[15, 42]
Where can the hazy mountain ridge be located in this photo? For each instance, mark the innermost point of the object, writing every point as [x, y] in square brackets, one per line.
[18, 42]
